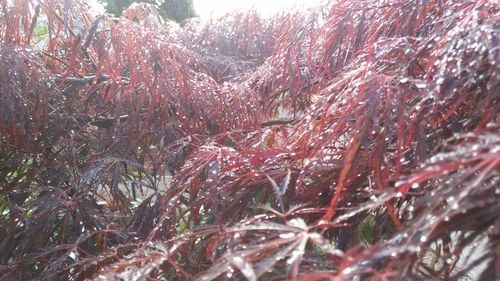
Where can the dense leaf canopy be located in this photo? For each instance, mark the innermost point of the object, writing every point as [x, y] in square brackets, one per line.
[359, 140]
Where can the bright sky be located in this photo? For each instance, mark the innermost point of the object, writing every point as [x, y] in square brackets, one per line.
[207, 8]
[266, 7]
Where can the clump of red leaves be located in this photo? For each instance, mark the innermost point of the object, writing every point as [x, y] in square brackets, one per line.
[356, 141]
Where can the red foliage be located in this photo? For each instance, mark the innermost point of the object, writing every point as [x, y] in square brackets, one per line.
[355, 141]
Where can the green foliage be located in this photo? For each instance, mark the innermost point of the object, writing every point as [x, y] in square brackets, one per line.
[176, 10]
[116, 7]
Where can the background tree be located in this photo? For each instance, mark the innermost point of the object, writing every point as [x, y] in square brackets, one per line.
[116, 7]
[176, 10]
